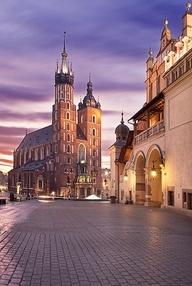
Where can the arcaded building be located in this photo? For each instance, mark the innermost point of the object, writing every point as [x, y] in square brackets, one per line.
[158, 170]
[64, 157]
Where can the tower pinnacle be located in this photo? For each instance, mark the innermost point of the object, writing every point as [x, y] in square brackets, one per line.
[166, 22]
[65, 73]
[64, 64]
[64, 45]
[122, 121]
[188, 6]
[150, 53]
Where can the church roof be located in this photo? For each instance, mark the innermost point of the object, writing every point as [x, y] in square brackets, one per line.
[39, 137]
[32, 166]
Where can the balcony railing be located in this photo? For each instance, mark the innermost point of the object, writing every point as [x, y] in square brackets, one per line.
[156, 129]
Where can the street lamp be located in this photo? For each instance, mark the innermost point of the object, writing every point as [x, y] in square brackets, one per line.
[153, 171]
[28, 185]
[117, 164]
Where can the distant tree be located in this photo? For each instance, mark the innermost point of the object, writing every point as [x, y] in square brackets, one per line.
[3, 179]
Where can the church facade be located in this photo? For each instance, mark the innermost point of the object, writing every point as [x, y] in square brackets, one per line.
[64, 157]
[157, 169]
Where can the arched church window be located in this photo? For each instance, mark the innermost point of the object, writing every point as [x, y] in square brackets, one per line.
[68, 105]
[68, 127]
[94, 119]
[82, 153]
[68, 149]
[94, 132]
[68, 137]
[69, 160]
[68, 116]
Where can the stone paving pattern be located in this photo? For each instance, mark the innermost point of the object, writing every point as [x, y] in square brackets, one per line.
[86, 243]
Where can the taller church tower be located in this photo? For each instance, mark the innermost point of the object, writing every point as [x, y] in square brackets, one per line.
[64, 125]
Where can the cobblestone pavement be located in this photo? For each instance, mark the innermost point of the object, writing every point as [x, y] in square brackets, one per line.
[85, 243]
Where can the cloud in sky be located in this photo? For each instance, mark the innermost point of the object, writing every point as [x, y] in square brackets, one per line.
[108, 38]
[8, 115]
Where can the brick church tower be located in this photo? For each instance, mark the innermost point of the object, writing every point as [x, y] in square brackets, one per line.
[64, 126]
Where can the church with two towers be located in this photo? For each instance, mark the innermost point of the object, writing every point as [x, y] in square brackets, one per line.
[64, 157]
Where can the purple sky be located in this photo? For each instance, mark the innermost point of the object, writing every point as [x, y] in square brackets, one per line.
[107, 38]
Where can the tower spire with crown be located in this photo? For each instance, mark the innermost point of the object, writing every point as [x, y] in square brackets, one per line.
[65, 74]
[64, 64]
[64, 44]
[122, 121]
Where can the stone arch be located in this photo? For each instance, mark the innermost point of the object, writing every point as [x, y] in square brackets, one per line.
[139, 167]
[139, 153]
[151, 149]
[154, 161]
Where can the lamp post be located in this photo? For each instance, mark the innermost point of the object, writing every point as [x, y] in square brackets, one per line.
[116, 163]
[153, 170]
[125, 176]
[28, 184]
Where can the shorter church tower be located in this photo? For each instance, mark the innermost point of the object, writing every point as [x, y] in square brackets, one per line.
[89, 124]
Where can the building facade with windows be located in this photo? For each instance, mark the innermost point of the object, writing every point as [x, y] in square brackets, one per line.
[158, 170]
[64, 157]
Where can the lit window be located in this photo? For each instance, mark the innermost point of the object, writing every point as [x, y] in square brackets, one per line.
[82, 153]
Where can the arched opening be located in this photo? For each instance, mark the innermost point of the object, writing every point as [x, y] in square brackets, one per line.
[68, 149]
[68, 115]
[140, 179]
[94, 132]
[40, 183]
[94, 119]
[154, 188]
[82, 153]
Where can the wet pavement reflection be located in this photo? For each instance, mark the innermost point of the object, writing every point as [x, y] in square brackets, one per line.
[86, 243]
